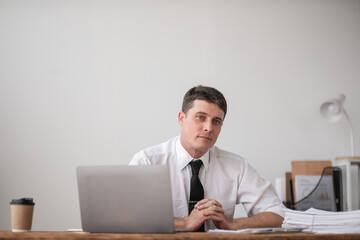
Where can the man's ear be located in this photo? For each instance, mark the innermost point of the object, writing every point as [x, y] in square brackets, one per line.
[181, 117]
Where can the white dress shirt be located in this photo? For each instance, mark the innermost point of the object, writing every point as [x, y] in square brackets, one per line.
[226, 177]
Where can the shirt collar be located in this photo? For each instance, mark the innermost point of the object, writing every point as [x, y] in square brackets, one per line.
[184, 158]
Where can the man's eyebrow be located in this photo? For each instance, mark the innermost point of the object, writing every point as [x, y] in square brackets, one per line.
[203, 113]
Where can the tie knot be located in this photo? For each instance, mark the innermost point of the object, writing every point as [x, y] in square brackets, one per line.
[195, 167]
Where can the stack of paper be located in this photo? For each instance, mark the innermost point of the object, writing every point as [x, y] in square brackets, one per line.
[319, 221]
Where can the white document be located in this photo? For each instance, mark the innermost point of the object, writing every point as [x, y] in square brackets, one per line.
[319, 221]
[247, 230]
[257, 230]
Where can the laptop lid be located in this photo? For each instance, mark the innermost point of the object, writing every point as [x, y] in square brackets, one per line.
[127, 199]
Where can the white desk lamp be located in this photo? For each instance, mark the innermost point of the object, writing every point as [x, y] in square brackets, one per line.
[333, 110]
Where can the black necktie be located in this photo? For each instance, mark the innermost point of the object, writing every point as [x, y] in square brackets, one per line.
[196, 188]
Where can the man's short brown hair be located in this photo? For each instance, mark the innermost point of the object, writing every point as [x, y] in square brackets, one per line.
[208, 94]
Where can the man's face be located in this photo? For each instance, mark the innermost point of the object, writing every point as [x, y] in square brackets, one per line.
[201, 127]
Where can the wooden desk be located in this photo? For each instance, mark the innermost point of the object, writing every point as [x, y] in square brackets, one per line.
[176, 236]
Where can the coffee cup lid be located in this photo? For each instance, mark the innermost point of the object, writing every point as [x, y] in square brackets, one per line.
[24, 201]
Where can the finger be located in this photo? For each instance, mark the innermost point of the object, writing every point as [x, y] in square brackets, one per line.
[214, 215]
[196, 215]
[207, 204]
[201, 202]
[216, 218]
[214, 202]
[212, 210]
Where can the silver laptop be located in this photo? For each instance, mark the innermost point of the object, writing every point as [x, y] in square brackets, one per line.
[125, 199]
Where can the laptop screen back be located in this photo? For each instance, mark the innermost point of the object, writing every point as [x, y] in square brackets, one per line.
[128, 199]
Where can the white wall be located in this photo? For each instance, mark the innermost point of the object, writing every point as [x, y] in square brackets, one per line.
[93, 82]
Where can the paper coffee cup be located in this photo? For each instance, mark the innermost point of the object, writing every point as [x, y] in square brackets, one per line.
[21, 214]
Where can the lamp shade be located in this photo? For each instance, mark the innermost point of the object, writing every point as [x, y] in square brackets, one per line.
[333, 110]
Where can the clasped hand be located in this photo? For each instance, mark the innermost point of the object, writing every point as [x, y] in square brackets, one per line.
[208, 209]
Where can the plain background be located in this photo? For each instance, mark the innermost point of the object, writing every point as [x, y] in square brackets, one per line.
[93, 82]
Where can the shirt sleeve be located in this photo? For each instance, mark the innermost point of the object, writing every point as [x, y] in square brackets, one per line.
[139, 159]
[256, 194]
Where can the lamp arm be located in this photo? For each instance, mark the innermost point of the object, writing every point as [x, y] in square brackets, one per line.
[351, 133]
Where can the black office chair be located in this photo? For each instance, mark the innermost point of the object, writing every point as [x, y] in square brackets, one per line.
[313, 199]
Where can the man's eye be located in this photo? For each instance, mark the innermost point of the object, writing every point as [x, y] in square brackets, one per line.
[200, 117]
[218, 122]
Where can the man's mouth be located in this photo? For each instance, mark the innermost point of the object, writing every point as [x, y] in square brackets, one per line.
[205, 137]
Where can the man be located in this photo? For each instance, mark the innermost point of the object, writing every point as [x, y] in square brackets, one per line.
[226, 179]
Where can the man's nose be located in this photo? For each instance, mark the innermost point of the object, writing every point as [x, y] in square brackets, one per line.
[208, 126]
